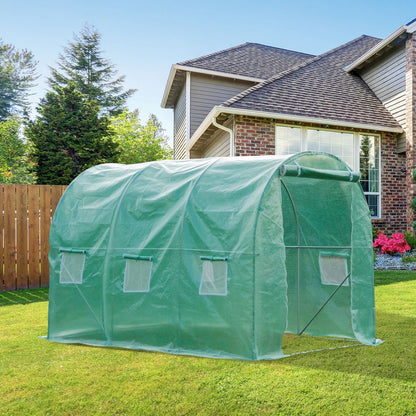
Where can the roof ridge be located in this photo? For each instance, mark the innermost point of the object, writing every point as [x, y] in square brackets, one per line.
[213, 53]
[289, 71]
[222, 51]
[278, 48]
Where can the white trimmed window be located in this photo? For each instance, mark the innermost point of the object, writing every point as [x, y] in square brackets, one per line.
[358, 151]
[370, 171]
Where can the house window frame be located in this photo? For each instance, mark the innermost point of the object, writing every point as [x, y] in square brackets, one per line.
[356, 152]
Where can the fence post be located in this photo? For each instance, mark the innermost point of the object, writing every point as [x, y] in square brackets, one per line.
[45, 223]
[9, 254]
[22, 232]
[34, 257]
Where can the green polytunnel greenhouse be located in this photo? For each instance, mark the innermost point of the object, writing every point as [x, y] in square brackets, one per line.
[213, 257]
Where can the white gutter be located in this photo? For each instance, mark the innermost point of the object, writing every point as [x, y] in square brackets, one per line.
[378, 47]
[177, 67]
[411, 28]
[218, 73]
[203, 126]
[289, 117]
[229, 131]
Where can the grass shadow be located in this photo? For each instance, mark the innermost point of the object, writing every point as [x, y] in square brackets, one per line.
[293, 344]
[386, 277]
[393, 359]
[24, 297]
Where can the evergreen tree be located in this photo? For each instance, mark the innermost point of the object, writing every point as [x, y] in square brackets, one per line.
[17, 76]
[69, 136]
[83, 64]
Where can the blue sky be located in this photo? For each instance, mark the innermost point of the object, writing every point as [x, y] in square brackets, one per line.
[144, 38]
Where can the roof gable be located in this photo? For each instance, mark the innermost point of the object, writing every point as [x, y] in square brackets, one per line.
[320, 88]
[250, 60]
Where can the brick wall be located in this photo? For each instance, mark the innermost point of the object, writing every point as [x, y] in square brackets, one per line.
[255, 136]
[410, 123]
[393, 187]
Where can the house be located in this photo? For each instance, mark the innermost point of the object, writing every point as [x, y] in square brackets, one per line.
[357, 101]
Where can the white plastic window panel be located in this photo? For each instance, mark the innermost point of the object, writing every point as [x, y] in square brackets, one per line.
[214, 277]
[137, 274]
[334, 270]
[72, 267]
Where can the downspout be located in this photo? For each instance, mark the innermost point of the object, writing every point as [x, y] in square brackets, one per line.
[188, 111]
[229, 131]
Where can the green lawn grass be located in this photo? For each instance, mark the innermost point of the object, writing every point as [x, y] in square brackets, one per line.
[38, 377]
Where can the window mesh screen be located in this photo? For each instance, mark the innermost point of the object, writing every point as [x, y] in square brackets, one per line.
[137, 275]
[214, 278]
[72, 268]
[334, 270]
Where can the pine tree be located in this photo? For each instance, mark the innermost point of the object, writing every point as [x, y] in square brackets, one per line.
[83, 64]
[69, 136]
[17, 76]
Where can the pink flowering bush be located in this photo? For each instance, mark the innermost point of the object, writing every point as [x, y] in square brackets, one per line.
[395, 244]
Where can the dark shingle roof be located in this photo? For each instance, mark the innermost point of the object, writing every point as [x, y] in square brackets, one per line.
[320, 88]
[249, 59]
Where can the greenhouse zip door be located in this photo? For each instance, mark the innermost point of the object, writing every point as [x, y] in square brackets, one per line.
[318, 241]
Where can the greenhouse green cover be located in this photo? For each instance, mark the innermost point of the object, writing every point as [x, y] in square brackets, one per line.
[212, 257]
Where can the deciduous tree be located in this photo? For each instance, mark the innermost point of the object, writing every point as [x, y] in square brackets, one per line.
[15, 165]
[139, 142]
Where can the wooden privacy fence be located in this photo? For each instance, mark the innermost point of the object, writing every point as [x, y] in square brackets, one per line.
[26, 213]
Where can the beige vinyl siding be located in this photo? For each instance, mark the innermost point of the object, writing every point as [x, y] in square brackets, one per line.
[218, 146]
[207, 92]
[179, 127]
[401, 144]
[387, 79]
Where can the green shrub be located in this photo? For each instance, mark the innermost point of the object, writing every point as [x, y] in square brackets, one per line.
[411, 239]
[408, 258]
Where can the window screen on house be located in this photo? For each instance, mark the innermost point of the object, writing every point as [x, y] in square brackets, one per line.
[137, 273]
[340, 144]
[288, 140]
[214, 276]
[72, 266]
[355, 149]
[334, 269]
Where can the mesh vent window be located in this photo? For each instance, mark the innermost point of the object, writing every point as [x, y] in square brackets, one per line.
[214, 277]
[137, 275]
[72, 268]
[334, 270]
